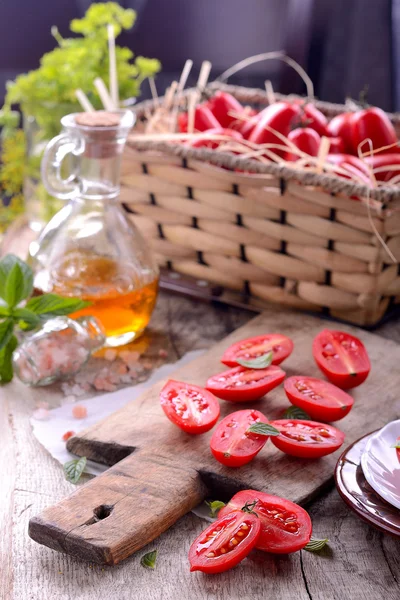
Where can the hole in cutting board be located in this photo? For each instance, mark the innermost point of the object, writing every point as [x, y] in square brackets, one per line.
[100, 513]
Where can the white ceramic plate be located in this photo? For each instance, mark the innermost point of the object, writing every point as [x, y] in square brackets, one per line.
[381, 465]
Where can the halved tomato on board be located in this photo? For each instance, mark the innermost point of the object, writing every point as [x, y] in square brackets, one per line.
[253, 347]
[225, 543]
[341, 357]
[232, 444]
[285, 526]
[245, 385]
[306, 439]
[188, 406]
[322, 400]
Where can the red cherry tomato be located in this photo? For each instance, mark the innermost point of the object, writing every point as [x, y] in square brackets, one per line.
[231, 445]
[305, 139]
[306, 439]
[379, 161]
[212, 143]
[245, 385]
[353, 165]
[242, 125]
[323, 401]
[315, 119]
[278, 116]
[337, 145]
[340, 127]
[341, 357]
[374, 124]
[67, 435]
[189, 407]
[280, 345]
[285, 526]
[225, 542]
[203, 120]
[222, 105]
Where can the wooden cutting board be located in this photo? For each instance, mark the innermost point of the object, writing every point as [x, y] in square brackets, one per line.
[159, 473]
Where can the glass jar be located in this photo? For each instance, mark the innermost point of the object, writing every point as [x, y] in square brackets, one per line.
[90, 249]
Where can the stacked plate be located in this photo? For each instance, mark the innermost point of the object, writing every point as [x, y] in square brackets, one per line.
[368, 478]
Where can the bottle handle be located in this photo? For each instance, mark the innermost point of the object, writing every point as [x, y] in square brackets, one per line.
[64, 188]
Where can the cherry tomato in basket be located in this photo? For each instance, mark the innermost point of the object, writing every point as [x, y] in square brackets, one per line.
[245, 123]
[354, 166]
[306, 439]
[225, 542]
[245, 385]
[280, 345]
[315, 119]
[305, 139]
[222, 105]
[379, 161]
[341, 357]
[279, 117]
[285, 526]
[337, 145]
[374, 124]
[231, 444]
[188, 406]
[213, 143]
[203, 120]
[339, 126]
[321, 400]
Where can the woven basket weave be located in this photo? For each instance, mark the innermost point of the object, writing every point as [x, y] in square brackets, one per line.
[296, 239]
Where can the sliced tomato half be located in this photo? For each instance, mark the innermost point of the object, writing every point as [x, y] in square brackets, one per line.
[245, 385]
[231, 444]
[225, 542]
[188, 406]
[306, 439]
[322, 400]
[285, 526]
[253, 347]
[341, 357]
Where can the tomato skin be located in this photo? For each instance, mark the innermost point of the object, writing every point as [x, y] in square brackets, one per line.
[229, 443]
[332, 439]
[341, 357]
[203, 120]
[305, 139]
[278, 116]
[397, 450]
[210, 143]
[384, 160]
[337, 145]
[374, 124]
[317, 119]
[210, 541]
[245, 126]
[353, 165]
[245, 385]
[339, 126]
[321, 400]
[198, 415]
[276, 535]
[253, 347]
[221, 104]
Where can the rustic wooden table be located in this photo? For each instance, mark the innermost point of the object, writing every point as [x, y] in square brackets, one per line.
[361, 563]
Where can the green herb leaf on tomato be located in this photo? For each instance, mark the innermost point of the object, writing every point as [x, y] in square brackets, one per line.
[396, 445]
[260, 362]
[149, 560]
[315, 545]
[293, 412]
[73, 469]
[263, 429]
[215, 506]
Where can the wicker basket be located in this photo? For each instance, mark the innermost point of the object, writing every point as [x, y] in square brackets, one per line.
[296, 240]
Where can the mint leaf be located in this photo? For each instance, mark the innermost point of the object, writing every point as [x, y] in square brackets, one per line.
[53, 305]
[16, 279]
[215, 506]
[4, 311]
[260, 362]
[6, 331]
[264, 429]
[73, 469]
[315, 545]
[149, 560]
[26, 319]
[6, 367]
[293, 412]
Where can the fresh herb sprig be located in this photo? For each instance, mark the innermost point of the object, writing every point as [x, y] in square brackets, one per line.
[73, 469]
[149, 560]
[215, 506]
[16, 287]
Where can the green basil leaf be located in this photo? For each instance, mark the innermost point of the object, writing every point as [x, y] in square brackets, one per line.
[215, 506]
[73, 469]
[27, 319]
[263, 429]
[6, 331]
[260, 362]
[4, 311]
[53, 305]
[6, 367]
[149, 560]
[16, 279]
[294, 412]
[315, 545]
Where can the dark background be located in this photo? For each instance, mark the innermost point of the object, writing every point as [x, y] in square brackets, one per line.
[343, 44]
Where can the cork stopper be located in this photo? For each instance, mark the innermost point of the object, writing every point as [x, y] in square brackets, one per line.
[101, 139]
[98, 118]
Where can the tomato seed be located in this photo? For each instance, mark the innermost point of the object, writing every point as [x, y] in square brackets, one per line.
[244, 526]
[240, 533]
[223, 550]
[234, 542]
[210, 555]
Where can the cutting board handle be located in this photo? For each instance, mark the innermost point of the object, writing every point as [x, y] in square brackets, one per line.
[120, 511]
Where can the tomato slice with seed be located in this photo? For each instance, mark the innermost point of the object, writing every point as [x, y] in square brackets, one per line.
[306, 439]
[188, 406]
[322, 400]
[285, 526]
[245, 385]
[225, 542]
[253, 347]
[231, 445]
[341, 357]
